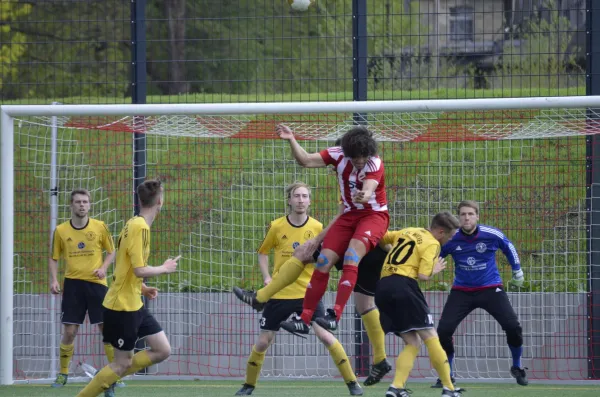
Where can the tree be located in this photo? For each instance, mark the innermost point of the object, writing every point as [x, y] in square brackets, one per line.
[12, 44]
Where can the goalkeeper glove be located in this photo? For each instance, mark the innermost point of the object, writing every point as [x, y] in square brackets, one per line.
[518, 278]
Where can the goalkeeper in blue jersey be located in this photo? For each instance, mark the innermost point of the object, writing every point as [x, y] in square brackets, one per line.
[478, 285]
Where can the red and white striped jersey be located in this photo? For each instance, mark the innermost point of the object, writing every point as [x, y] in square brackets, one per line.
[351, 180]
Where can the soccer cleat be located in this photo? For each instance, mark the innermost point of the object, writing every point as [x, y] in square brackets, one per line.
[110, 392]
[249, 298]
[438, 383]
[329, 322]
[295, 326]
[60, 381]
[246, 390]
[520, 375]
[120, 383]
[453, 393]
[377, 372]
[355, 389]
[393, 392]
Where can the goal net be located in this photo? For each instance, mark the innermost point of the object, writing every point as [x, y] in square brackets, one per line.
[224, 174]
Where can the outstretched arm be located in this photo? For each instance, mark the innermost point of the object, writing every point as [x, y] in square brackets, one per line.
[305, 159]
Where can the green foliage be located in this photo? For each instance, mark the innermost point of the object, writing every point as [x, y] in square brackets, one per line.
[81, 48]
[543, 58]
[13, 44]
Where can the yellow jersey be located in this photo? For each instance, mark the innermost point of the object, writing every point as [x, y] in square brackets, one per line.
[82, 249]
[133, 250]
[414, 251]
[284, 238]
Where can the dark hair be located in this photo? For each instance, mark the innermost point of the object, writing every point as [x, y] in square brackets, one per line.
[149, 192]
[84, 192]
[338, 142]
[469, 203]
[445, 220]
[359, 142]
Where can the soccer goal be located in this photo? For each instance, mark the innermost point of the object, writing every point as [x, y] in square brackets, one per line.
[530, 162]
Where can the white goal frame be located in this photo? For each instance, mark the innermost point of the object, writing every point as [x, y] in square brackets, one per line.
[9, 112]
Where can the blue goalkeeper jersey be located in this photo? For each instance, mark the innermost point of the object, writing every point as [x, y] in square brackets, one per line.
[474, 257]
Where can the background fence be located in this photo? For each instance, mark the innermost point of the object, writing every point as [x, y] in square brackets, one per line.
[215, 51]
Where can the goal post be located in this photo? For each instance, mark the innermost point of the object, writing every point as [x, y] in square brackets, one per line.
[524, 159]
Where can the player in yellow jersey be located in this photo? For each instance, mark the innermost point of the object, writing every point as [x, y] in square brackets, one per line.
[284, 236]
[125, 318]
[404, 310]
[80, 242]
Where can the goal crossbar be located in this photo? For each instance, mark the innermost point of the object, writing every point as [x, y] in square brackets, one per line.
[430, 105]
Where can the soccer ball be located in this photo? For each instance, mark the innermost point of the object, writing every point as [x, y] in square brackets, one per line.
[300, 5]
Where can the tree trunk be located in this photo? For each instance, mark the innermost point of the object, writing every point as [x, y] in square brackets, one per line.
[175, 13]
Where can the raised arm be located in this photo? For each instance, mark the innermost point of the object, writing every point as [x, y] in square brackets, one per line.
[305, 159]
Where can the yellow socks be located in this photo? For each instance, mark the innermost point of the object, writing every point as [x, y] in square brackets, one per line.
[286, 275]
[375, 333]
[66, 354]
[340, 359]
[404, 364]
[109, 351]
[140, 361]
[253, 366]
[99, 383]
[439, 361]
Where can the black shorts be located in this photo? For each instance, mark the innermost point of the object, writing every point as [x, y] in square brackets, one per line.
[402, 306]
[369, 270]
[79, 297]
[123, 329]
[278, 310]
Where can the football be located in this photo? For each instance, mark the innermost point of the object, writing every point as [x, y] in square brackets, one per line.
[300, 5]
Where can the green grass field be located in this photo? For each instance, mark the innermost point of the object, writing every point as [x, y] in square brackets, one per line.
[300, 389]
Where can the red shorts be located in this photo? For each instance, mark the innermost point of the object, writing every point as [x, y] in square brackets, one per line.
[365, 225]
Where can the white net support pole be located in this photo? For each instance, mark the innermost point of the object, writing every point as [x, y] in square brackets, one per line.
[7, 180]
[53, 222]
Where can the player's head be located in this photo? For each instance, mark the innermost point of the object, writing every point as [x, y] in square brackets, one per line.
[80, 203]
[358, 145]
[443, 226]
[468, 215]
[150, 194]
[298, 196]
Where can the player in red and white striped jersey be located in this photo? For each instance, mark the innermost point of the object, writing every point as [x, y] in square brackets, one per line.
[360, 175]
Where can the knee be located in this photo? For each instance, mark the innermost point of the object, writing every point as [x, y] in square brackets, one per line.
[69, 335]
[514, 335]
[121, 364]
[322, 262]
[351, 257]
[364, 303]
[163, 353]
[263, 342]
[445, 336]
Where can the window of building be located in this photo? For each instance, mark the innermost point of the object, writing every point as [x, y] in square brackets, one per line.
[461, 23]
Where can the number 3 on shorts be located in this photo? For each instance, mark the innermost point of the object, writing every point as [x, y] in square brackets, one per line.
[120, 342]
[263, 321]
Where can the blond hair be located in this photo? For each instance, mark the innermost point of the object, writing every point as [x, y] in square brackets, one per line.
[291, 188]
[444, 220]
